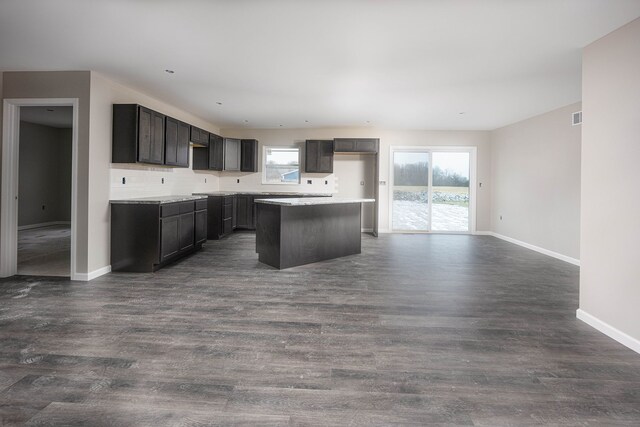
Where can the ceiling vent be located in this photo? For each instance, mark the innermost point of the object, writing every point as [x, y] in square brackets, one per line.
[576, 118]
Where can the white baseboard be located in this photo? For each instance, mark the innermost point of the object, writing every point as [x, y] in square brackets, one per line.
[43, 224]
[482, 233]
[367, 230]
[85, 277]
[608, 330]
[544, 251]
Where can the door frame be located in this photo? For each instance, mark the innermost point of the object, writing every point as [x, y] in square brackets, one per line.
[473, 167]
[9, 190]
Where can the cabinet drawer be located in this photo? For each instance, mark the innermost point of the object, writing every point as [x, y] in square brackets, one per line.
[227, 211]
[169, 209]
[201, 204]
[186, 207]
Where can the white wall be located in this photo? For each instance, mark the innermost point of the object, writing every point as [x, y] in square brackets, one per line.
[610, 230]
[536, 181]
[388, 138]
[141, 181]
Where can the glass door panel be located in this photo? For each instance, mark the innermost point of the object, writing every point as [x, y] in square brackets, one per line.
[410, 209]
[450, 191]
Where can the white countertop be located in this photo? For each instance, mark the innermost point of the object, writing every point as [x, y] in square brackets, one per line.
[158, 200]
[310, 201]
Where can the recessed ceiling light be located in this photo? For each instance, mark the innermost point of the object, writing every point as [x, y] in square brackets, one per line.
[461, 112]
[280, 125]
[306, 121]
[219, 103]
[368, 121]
[169, 71]
[50, 109]
[246, 121]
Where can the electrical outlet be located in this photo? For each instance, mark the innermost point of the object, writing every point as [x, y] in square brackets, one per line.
[500, 217]
[162, 180]
[383, 182]
[309, 181]
[326, 182]
[43, 206]
[238, 181]
[124, 180]
[205, 180]
[480, 185]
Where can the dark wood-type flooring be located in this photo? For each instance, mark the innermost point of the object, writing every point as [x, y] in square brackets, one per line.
[417, 330]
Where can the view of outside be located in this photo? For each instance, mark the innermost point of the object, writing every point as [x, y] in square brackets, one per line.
[450, 208]
[282, 165]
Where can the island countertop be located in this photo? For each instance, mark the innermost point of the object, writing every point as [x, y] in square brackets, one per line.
[266, 194]
[312, 201]
[159, 200]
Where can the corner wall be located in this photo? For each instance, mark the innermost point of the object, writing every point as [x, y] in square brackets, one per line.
[388, 138]
[536, 182]
[610, 230]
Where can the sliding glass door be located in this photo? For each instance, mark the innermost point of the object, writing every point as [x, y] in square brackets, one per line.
[431, 189]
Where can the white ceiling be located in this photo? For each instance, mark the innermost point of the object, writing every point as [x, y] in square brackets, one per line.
[57, 117]
[301, 63]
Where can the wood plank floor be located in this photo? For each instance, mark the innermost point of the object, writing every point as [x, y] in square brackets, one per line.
[417, 330]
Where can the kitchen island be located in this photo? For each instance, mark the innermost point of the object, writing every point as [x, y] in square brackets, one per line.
[297, 231]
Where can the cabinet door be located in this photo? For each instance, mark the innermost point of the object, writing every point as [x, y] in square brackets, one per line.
[367, 146]
[183, 145]
[249, 155]
[231, 154]
[169, 237]
[201, 227]
[157, 138]
[187, 231]
[311, 153]
[216, 152]
[234, 214]
[242, 211]
[144, 135]
[171, 142]
[345, 145]
[325, 157]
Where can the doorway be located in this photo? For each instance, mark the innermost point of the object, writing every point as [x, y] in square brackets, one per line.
[44, 188]
[433, 189]
[39, 187]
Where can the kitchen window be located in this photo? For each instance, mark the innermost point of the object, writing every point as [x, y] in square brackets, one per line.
[281, 165]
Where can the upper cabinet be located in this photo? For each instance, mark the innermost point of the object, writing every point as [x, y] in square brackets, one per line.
[318, 156]
[216, 152]
[176, 143]
[142, 135]
[199, 136]
[231, 154]
[211, 156]
[356, 145]
[249, 155]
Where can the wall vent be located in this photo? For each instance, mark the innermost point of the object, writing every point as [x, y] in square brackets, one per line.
[576, 118]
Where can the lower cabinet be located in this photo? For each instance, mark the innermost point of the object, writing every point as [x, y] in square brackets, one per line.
[245, 212]
[220, 216]
[147, 236]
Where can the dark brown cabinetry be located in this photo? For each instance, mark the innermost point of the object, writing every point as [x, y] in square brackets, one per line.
[146, 236]
[249, 155]
[245, 212]
[318, 156]
[356, 145]
[199, 136]
[176, 143]
[220, 216]
[138, 135]
[211, 156]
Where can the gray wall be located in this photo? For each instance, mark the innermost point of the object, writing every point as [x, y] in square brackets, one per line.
[44, 174]
[535, 167]
[610, 230]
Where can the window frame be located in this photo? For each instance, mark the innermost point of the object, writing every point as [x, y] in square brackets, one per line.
[264, 164]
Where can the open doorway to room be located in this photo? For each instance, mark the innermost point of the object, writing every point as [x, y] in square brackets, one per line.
[433, 189]
[39, 164]
[44, 188]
